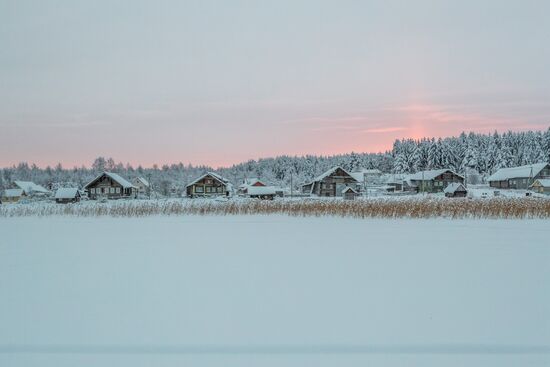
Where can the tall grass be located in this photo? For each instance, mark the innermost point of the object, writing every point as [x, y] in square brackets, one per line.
[373, 208]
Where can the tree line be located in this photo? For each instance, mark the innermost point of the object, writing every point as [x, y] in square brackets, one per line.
[484, 153]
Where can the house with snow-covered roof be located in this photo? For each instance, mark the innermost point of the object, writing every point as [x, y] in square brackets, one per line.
[331, 183]
[142, 185]
[111, 186]
[209, 184]
[541, 185]
[31, 189]
[520, 177]
[431, 181]
[455, 190]
[12, 195]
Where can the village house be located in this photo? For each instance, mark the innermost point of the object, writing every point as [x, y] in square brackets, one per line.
[541, 186]
[31, 189]
[393, 183]
[455, 190]
[521, 177]
[111, 186]
[431, 181]
[142, 185]
[65, 195]
[331, 183]
[209, 184]
[12, 195]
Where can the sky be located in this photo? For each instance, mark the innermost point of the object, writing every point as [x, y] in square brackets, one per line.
[220, 82]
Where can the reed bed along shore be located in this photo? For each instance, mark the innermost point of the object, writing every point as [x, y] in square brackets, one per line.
[506, 208]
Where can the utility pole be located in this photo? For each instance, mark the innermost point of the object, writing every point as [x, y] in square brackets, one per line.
[291, 186]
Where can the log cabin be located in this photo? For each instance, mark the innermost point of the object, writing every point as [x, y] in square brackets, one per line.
[142, 185]
[209, 184]
[520, 177]
[110, 185]
[331, 183]
[431, 181]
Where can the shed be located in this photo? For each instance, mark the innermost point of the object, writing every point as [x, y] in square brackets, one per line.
[12, 195]
[542, 186]
[455, 190]
[65, 195]
[262, 192]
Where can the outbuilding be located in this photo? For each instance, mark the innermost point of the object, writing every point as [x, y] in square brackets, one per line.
[541, 186]
[349, 193]
[261, 192]
[12, 195]
[455, 190]
[65, 195]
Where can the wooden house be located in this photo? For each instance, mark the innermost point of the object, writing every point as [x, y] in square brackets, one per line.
[349, 193]
[12, 195]
[331, 183]
[455, 190]
[111, 186]
[65, 195]
[521, 177]
[541, 186]
[209, 184]
[142, 185]
[431, 181]
[250, 182]
[31, 189]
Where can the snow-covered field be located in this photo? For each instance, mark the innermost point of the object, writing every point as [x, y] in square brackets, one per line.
[273, 291]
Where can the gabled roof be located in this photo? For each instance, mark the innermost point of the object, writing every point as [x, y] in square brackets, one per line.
[544, 182]
[529, 170]
[348, 188]
[211, 174]
[66, 193]
[13, 193]
[453, 187]
[328, 173]
[115, 177]
[142, 181]
[430, 175]
[30, 187]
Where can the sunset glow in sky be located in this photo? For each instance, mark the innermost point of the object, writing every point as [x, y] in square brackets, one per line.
[220, 82]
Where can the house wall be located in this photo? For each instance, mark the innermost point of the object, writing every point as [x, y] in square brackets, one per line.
[333, 184]
[107, 187]
[207, 186]
[439, 183]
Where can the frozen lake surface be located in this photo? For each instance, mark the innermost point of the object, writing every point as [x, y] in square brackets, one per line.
[272, 291]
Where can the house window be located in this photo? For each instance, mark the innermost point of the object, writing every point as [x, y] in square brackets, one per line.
[199, 189]
[220, 189]
[117, 190]
[92, 190]
[208, 189]
[208, 181]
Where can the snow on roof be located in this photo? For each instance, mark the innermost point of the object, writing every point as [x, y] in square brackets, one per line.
[395, 179]
[212, 174]
[30, 187]
[453, 187]
[430, 175]
[142, 181]
[529, 170]
[66, 193]
[261, 190]
[544, 182]
[13, 193]
[329, 172]
[348, 188]
[115, 177]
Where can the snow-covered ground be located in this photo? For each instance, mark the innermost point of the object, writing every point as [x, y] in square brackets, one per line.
[273, 291]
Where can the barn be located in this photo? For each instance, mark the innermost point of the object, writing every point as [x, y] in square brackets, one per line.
[111, 186]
